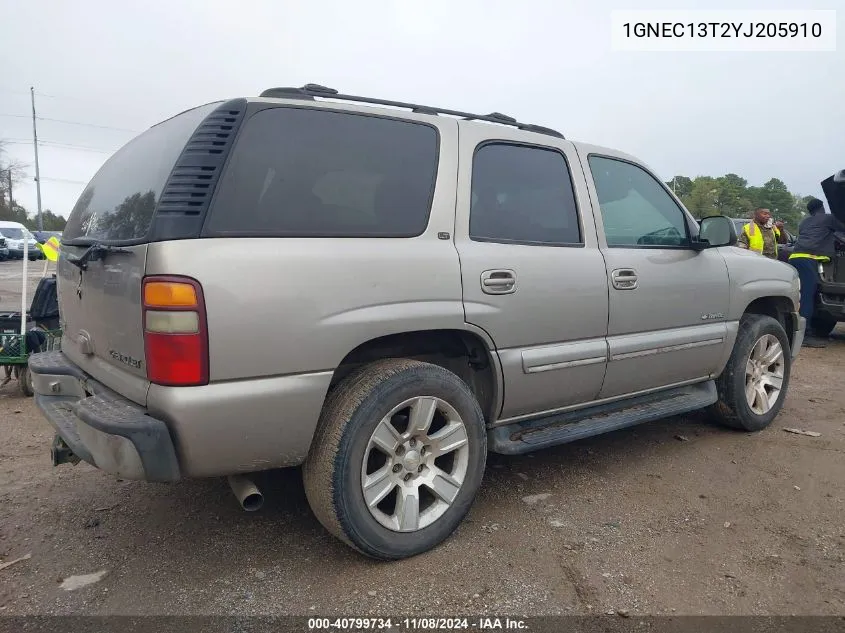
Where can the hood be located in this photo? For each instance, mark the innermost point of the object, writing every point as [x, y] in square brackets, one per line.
[834, 191]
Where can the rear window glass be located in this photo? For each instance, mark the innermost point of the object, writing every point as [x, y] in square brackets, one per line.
[119, 202]
[316, 173]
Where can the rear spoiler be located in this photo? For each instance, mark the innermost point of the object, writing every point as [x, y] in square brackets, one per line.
[834, 191]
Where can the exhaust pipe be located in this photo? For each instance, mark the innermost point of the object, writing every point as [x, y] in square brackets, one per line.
[247, 493]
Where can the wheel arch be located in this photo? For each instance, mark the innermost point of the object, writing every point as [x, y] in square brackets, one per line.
[779, 308]
[469, 353]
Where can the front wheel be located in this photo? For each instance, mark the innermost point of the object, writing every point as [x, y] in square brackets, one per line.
[397, 458]
[753, 386]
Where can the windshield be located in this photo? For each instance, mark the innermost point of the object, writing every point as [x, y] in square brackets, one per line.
[12, 233]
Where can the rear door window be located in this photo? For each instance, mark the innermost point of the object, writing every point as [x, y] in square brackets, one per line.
[300, 172]
[522, 194]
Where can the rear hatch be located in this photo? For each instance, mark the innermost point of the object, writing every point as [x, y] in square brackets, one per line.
[104, 247]
[834, 191]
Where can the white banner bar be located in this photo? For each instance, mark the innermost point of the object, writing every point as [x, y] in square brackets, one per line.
[723, 31]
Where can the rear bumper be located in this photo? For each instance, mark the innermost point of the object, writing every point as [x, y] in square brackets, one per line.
[217, 429]
[831, 300]
[100, 426]
[32, 253]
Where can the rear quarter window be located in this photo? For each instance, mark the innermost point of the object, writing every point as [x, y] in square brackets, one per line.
[119, 202]
[299, 172]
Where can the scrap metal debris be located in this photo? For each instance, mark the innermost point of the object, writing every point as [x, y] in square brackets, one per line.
[14, 562]
[72, 583]
[803, 432]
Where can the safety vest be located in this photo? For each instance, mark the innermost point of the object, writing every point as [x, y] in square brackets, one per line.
[818, 258]
[755, 238]
[50, 248]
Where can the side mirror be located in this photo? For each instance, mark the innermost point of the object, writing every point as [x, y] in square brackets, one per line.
[839, 176]
[716, 230]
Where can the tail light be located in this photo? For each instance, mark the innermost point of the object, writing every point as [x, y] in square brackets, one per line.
[175, 331]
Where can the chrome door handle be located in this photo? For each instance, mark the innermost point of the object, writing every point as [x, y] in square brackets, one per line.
[498, 282]
[624, 278]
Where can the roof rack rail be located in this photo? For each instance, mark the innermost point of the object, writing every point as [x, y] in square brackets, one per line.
[309, 91]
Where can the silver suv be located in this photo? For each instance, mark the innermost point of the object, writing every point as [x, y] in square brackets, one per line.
[382, 292]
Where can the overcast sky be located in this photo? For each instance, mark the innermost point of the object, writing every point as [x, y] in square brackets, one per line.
[128, 64]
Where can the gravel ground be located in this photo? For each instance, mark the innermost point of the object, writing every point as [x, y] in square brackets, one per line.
[677, 516]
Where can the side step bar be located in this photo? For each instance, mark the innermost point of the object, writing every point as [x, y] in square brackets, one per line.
[530, 435]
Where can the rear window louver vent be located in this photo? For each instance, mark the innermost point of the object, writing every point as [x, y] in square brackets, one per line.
[191, 184]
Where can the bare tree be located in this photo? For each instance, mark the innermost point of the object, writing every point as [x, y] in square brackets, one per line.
[12, 171]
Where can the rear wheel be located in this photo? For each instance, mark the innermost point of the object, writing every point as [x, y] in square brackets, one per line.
[397, 458]
[753, 386]
[25, 381]
[821, 325]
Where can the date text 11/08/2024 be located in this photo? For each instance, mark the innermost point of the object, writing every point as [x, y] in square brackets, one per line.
[411, 624]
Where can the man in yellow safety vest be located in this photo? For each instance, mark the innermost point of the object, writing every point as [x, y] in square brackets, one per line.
[762, 235]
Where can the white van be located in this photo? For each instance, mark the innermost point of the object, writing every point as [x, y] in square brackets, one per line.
[15, 233]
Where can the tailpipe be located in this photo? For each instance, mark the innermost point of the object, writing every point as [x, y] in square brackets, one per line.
[247, 493]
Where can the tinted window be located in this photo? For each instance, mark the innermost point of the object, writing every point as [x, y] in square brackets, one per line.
[12, 233]
[636, 209]
[119, 202]
[306, 172]
[522, 194]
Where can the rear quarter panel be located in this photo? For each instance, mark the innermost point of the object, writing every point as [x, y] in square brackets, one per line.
[292, 306]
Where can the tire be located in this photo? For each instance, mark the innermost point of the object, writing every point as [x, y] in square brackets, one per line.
[733, 408]
[822, 325]
[343, 455]
[25, 382]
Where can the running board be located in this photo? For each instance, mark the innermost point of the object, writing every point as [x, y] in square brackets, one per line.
[530, 435]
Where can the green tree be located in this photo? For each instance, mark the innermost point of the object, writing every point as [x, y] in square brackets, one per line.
[731, 197]
[14, 214]
[52, 222]
[701, 201]
[681, 185]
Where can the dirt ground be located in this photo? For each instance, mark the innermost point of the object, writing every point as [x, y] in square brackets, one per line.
[677, 516]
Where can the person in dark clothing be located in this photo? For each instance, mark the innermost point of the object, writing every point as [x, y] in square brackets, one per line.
[815, 244]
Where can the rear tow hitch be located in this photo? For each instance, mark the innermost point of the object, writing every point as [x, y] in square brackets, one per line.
[60, 452]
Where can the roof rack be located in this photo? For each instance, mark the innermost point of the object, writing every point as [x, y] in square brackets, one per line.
[309, 91]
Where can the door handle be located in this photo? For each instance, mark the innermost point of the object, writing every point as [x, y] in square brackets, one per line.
[498, 282]
[624, 278]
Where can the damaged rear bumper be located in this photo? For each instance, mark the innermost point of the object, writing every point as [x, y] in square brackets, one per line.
[100, 426]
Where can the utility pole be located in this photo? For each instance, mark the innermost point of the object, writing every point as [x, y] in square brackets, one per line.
[37, 173]
[11, 199]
